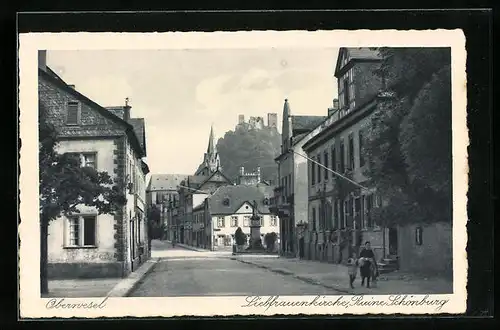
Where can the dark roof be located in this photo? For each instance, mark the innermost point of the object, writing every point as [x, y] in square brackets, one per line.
[356, 54]
[140, 131]
[238, 195]
[363, 53]
[195, 181]
[129, 129]
[165, 181]
[145, 167]
[306, 123]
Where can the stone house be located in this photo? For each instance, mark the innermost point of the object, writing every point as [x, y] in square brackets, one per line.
[88, 244]
[163, 197]
[339, 211]
[230, 207]
[290, 200]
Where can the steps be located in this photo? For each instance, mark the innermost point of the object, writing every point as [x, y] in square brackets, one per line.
[388, 265]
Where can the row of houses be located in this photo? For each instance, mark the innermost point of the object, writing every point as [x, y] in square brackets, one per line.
[324, 217]
[205, 209]
[107, 139]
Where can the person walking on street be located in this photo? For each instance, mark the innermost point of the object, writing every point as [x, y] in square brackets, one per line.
[352, 263]
[367, 261]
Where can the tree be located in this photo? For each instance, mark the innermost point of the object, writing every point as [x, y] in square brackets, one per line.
[64, 184]
[409, 141]
[240, 237]
[249, 147]
[270, 239]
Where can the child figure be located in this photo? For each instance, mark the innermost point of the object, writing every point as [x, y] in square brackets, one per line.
[352, 264]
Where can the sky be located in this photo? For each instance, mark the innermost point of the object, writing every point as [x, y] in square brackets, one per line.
[181, 93]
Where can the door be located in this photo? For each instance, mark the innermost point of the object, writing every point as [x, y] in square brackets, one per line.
[393, 241]
[301, 248]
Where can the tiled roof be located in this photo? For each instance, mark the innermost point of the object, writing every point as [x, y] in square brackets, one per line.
[306, 122]
[139, 130]
[50, 75]
[165, 181]
[363, 53]
[238, 195]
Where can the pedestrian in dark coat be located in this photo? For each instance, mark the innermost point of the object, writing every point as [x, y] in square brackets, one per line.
[367, 261]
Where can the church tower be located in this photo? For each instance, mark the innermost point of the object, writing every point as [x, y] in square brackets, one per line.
[211, 160]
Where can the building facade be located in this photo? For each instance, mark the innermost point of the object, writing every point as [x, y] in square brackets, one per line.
[163, 198]
[290, 200]
[89, 244]
[229, 207]
[339, 210]
[194, 189]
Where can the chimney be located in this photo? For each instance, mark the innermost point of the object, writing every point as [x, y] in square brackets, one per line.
[42, 60]
[242, 170]
[72, 86]
[258, 174]
[335, 104]
[126, 110]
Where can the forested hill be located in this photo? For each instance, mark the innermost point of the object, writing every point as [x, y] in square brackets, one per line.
[249, 147]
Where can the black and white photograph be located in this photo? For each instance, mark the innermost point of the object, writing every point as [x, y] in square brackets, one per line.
[243, 173]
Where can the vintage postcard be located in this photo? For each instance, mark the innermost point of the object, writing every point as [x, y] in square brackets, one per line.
[242, 173]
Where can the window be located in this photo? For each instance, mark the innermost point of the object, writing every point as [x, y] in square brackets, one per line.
[334, 159]
[290, 184]
[220, 222]
[335, 215]
[342, 156]
[368, 208]
[262, 221]
[318, 159]
[285, 190]
[345, 213]
[81, 231]
[274, 221]
[139, 225]
[350, 164]
[313, 172]
[361, 144]
[234, 221]
[346, 93]
[418, 235]
[326, 164]
[72, 116]
[313, 219]
[89, 160]
[246, 221]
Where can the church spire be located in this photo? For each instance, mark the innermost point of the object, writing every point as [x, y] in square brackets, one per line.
[211, 145]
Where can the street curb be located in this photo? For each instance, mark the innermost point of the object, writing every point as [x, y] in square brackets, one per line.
[192, 248]
[298, 277]
[130, 283]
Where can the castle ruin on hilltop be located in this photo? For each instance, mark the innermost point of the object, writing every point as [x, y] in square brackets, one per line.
[258, 122]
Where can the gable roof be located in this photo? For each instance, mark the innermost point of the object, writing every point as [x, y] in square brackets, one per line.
[51, 76]
[301, 124]
[365, 54]
[165, 181]
[238, 195]
[140, 131]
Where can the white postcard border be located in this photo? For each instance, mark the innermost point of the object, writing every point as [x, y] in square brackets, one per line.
[32, 306]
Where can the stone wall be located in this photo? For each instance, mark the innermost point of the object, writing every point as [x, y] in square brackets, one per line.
[435, 253]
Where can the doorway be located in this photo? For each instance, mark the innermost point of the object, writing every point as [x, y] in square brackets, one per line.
[393, 241]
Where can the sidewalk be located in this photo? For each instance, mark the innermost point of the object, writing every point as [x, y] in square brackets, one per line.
[100, 287]
[81, 288]
[335, 276]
